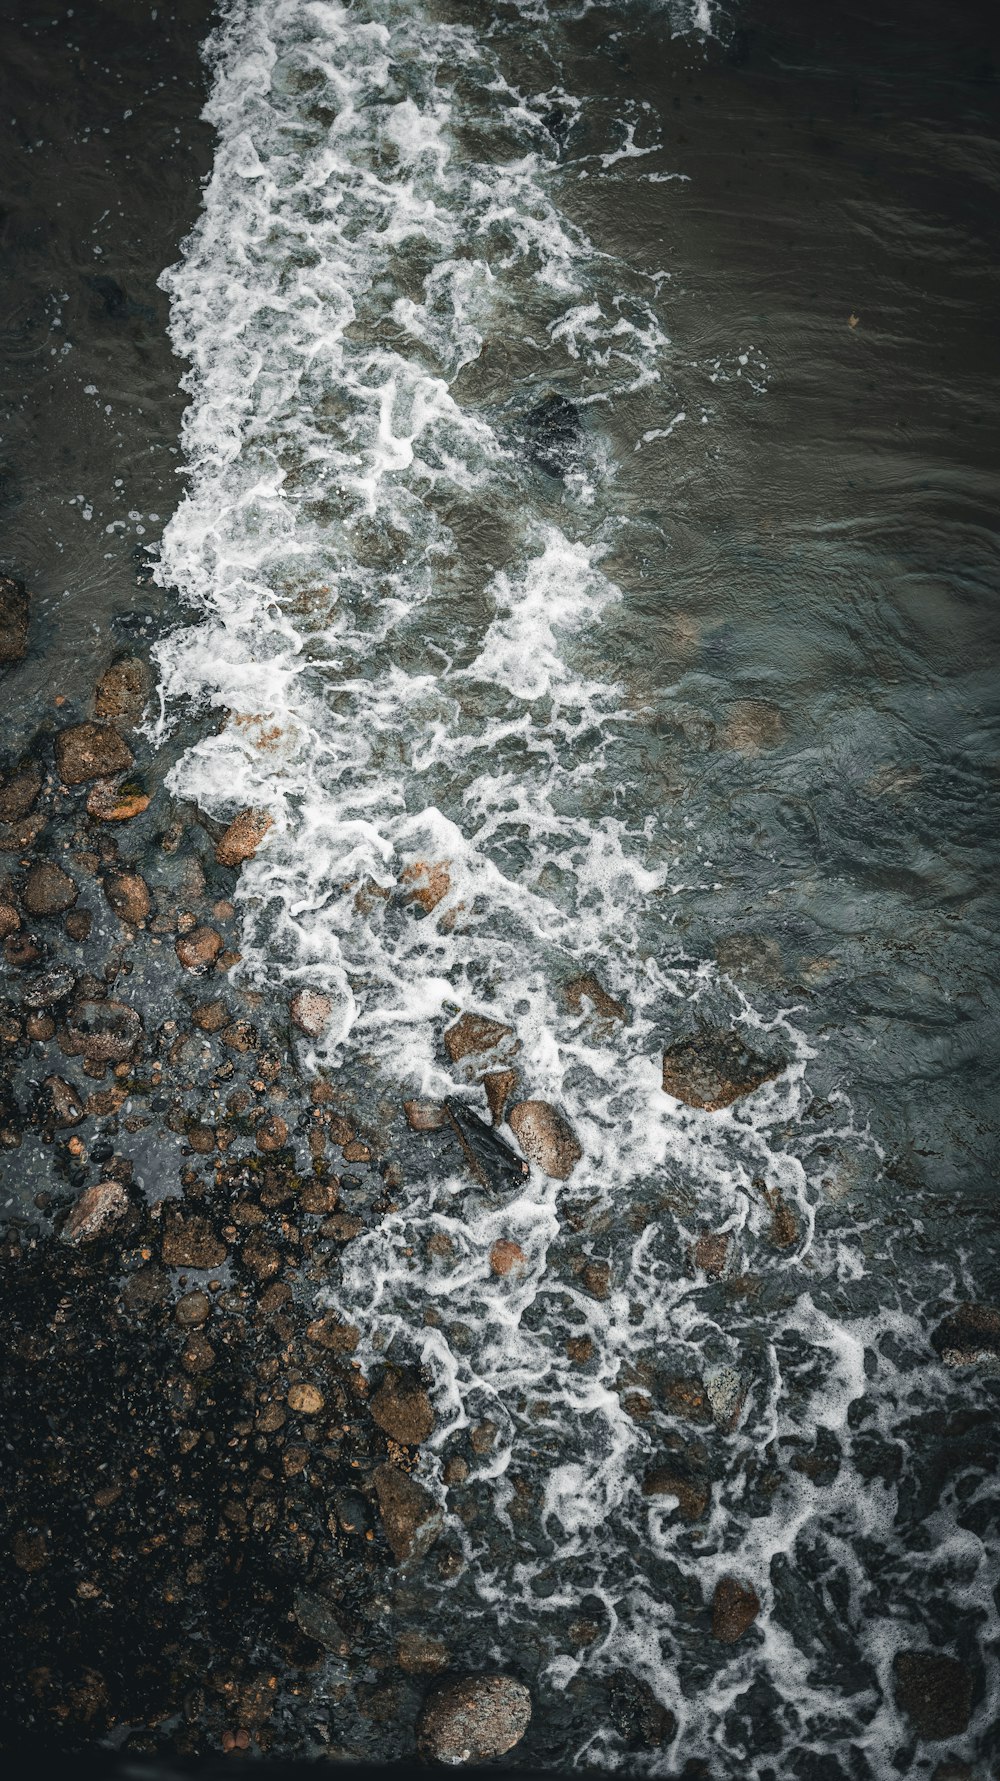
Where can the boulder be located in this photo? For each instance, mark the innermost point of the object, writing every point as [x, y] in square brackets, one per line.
[91, 751]
[310, 1011]
[935, 1693]
[714, 1069]
[48, 890]
[403, 1410]
[243, 837]
[95, 1212]
[121, 690]
[474, 1720]
[411, 1518]
[735, 1607]
[13, 620]
[546, 1138]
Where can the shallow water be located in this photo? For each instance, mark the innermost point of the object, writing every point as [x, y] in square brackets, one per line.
[591, 547]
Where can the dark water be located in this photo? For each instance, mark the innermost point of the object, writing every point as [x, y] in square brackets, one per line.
[691, 686]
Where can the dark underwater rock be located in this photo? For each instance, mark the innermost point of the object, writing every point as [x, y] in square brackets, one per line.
[714, 1069]
[13, 619]
[553, 433]
[934, 1692]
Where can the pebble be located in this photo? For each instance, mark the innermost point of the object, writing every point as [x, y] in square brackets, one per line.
[473, 1034]
[425, 1116]
[48, 890]
[305, 1399]
[121, 690]
[735, 1607]
[418, 1654]
[546, 1138]
[507, 1257]
[198, 949]
[474, 1720]
[310, 1010]
[128, 895]
[96, 1211]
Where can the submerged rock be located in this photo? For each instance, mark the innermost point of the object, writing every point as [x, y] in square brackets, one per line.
[48, 890]
[13, 619]
[425, 1116]
[96, 1211]
[128, 895]
[121, 690]
[586, 989]
[243, 837]
[102, 1032]
[969, 1337]
[474, 1720]
[20, 790]
[554, 432]
[475, 1034]
[499, 1086]
[310, 1010]
[117, 800]
[91, 751]
[189, 1241]
[546, 1137]
[411, 1519]
[642, 1721]
[735, 1607]
[507, 1257]
[934, 1692]
[198, 949]
[403, 1409]
[714, 1069]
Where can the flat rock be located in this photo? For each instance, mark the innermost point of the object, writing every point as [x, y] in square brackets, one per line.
[411, 1518]
[310, 1010]
[935, 1693]
[545, 1137]
[735, 1607]
[474, 1720]
[122, 690]
[103, 1031]
[714, 1069]
[13, 619]
[91, 751]
[97, 1210]
[404, 1411]
[48, 890]
[243, 837]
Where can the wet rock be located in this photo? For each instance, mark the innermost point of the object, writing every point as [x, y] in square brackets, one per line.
[750, 958]
[735, 1607]
[752, 726]
[13, 620]
[199, 949]
[310, 1010]
[189, 1241]
[640, 1719]
[474, 1720]
[425, 1116]
[587, 989]
[97, 1210]
[117, 800]
[596, 1279]
[198, 1355]
[64, 1106]
[507, 1257]
[329, 1332]
[474, 1035]
[693, 1496]
[272, 1133]
[429, 883]
[970, 1336]
[102, 1032]
[48, 988]
[319, 1621]
[211, 1017]
[726, 1392]
[934, 1692]
[48, 890]
[91, 751]
[711, 1252]
[499, 1086]
[10, 921]
[19, 791]
[78, 924]
[783, 1231]
[714, 1069]
[305, 1399]
[411, 1519]
[121, 690]
[128, 895]
[553, 433]
[490, 1161]
[545, 1137]
[403, 1410]
[193, 1309]
[243, 837]
[418, 1654]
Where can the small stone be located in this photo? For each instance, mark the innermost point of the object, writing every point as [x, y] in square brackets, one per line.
[305, 1399]
[64, 1105]
[319, 1197]
[78, 924]
[190, 1242]
[117, 800]
[193, 1309]
[13, 620]
[735, 1607]
[48, 890]
[784, 1227]
[580, 1350]
[10, 921]
[474, 1721]
[96, 1211]
[596, 1278]
[103, 1032]
[39, 1026]
[19, 790]
[243, 837]
[30, 1550]
[128, 895]
[692, 1497]
[474, 1034]
[356, 1152]
[318, 1621]
[418, 1654]
[48, 987]
[342, 1227]
[272, 1133]
[726, 1392]
[507, 1257]
[91, 751]
[310, 1010]
[499, 1086]
[935, 1692]
[424, 1116]
[455, 1470]
[713, 1070]
[411, 1519]
[198, 949]
[121, 690]
[404, 1411]
[546, 1138]
[711, 1252]
[211, 1017]
[329, 1332]
[198, 1355]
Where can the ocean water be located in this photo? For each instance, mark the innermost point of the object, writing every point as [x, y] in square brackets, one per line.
[588, 561]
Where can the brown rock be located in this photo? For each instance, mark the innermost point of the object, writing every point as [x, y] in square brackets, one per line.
[19, 791]
[507, 1257]
[750, 958]
[64, 1105]
[474, 1720]
[329, 1332]
[735, 1607]
[193, 1309]
[78, 924]
[102, 1032]
[596, 1278]
[91, 751]
[588, 989]
[198, 949]
[129, 896]
[310, 1011]
[30, 1550]
[319, 1197]
[711, 1252]
[305, 1399]
[692, 1496]
[121, 690]
[418, 1654]
[713, 1070]
[356, 1152]
[475, 1034]
[482, 1436]
[13, 619]
[424, 1116]
[403, 1410]
[499, 1086]
[243, 837]
[48, 890]
[39, 1026]
[117, 800]
[342, 1227]
[411, 1518]
[211, 1017]
[752, 726]
[545, 1137]
[189, 1241]
[10, 921]
[429, 883]
[96, 1211]
[318, 1621]
[580, 1350]
[197, 1355]
[784, 1228]
[272, 1133]
[935, 1693]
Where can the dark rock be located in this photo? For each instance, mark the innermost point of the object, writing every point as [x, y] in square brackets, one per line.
[491, 1162]
[64, 1105]
[402, 1408]
[90, 751]
[189, 1241]
[318, 1621]
[693, 1496]
[640, 1719]
[935, 1693]
[48, 988]
[411, 1518]
[546, 1137]
[101, 1031]
[193, 1309]
[20, 790]
[474, 1720]
[121, 690]
[735, 1607]
[554, 433]
[969, 1336]
[13, 619]
[419, 1654]
[48, 890]
[714, 1069]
